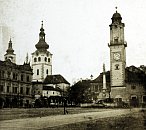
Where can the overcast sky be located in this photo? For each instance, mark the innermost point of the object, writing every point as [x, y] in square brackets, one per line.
[77, 32]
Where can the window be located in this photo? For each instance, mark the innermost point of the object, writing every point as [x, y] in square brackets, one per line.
[35, 59]
[8, 74]
[39, 59]
[37, 71]
[117, 67]
[48, 59]
[1, 88]
[45, 59]
[2, 74]
[144, 99]
[133, 87]
[14, 89]
[21, 90]
[22, 77]
[15, 76]
[27, 91]
[47, 71]
[27, 79]
[8, 89]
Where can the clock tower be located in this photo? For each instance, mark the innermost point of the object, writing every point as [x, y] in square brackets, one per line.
[117, 51]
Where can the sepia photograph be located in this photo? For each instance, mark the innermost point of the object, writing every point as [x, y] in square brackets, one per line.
[72, 65]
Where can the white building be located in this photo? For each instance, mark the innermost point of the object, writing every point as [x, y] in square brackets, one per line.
[41, 59]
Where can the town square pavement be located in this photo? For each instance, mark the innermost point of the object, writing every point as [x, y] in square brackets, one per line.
[39, 123]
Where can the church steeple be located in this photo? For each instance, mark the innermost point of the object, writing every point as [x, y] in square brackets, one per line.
[10, 49]
[41, 58]
[10, 53]
[42, 45]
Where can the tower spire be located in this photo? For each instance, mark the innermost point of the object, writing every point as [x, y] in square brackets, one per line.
[27, 58]
[10, 53]
[42, 24]
[42, 45]
[10, 49]
[116, 8]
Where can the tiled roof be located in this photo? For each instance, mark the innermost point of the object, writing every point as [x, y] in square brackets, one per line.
[55, 79]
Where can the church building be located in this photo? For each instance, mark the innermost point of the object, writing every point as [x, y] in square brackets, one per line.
[45, 84]
[41, 59]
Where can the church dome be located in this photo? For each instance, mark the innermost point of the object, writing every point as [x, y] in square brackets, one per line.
[42, 45]
[116, 17]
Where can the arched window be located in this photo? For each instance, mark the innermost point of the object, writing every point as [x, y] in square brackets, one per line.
[45, 59]
[47, 71]
[39, 59]
[48, 59]
[35, 59]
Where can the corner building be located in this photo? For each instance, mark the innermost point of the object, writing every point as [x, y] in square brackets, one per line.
[15, 81]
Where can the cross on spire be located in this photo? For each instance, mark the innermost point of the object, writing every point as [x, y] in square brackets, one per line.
[42, 23]
[116, 8]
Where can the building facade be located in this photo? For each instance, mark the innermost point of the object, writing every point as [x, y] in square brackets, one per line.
[15, 81]
[52, 91]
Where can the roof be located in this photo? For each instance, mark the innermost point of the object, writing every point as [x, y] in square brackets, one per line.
[132, 75]
[99, 79]
[55, 79]
[52, 88]
[9, 64]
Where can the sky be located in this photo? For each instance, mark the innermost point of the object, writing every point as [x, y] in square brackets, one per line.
[77, 32]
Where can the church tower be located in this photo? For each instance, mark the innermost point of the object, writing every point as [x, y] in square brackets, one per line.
[10, 53]
[41, 58]
[117, 51]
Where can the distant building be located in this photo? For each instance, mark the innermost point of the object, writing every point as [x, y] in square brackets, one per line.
[53, 89]
[15, 81]
[135, 87]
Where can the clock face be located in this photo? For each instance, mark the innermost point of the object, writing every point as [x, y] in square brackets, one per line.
[117, 56]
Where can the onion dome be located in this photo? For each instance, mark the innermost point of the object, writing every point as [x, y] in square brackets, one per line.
[116, 17]
[42, 45]
[10, 49]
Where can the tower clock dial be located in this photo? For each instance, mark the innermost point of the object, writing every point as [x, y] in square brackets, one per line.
[117, 56]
